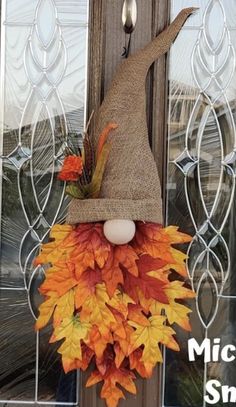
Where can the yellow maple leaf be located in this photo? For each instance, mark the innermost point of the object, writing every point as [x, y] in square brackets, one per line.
[64, 307]
[179, 262]
[46, 310]
[96, 312]
[175, 236]
[175, 289]
[150, 336]
[73, 331]
[59, 307]
[175, 312]
[120, 302]
[53, 251]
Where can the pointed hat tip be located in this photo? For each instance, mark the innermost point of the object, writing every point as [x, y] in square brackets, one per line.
[191, 10]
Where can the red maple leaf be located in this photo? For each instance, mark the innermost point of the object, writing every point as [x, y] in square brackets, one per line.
[150, 287]
[119, 257]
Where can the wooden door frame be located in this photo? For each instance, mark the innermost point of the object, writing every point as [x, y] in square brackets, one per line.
[106, 42]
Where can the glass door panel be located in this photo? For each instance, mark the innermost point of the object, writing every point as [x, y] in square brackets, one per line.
[43, 81]
[201, 188]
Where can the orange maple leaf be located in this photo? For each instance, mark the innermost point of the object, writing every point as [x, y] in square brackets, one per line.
[136, 314]
[127, 257]
[119, 302]
[145, 369]
[119, 355]
[59, 278]
[110, 392]
[119, 258]
[112, 274]
[97, 342]
[156, 240]
[124, 343]
[149, 239]
[90, 247]
[86, 285]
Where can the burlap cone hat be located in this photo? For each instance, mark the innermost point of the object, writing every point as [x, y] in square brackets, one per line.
[131, 187]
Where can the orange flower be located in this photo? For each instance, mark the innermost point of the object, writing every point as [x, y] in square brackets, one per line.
[72, 168]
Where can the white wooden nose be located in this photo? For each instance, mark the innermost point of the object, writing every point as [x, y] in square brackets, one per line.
[119, 231]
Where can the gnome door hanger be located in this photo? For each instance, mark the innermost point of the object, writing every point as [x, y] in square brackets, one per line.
[130, 188]
[109, 285]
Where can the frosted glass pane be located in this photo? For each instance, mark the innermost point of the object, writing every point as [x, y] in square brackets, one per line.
[201, 187]
[43, 81]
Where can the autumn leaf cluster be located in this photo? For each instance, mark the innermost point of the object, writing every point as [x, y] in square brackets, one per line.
[113, 306]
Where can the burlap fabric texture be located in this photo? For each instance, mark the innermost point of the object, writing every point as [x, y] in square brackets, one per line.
[131, 186]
